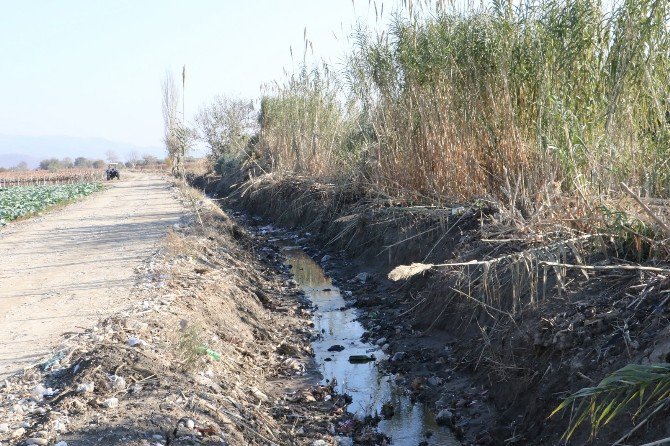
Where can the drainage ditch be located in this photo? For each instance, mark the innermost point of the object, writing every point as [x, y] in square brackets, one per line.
[341, 356]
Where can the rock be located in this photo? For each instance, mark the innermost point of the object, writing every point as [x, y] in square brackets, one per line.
[4, 427]
[344, 441]
[320, 443]
[434, 381]
[398, 356]
[61, 443]
[388, 410]
[190, 424]
[326, 258]
[86, 387]
[445, 418]
[362, 277]
[336, 348]
[111, 403]
[358, 359]
[380, 341]
[38, 441]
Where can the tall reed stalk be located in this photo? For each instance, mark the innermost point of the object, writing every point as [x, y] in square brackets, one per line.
[520, 99]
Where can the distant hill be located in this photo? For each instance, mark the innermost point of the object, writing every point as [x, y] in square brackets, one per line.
[32, 149]
[12, 159]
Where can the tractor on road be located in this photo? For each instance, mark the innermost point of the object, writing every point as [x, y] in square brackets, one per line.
[113, 171]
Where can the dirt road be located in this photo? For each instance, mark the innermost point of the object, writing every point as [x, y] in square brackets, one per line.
[62, 271]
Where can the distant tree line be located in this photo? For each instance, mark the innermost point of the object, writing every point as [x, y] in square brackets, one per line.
[81, 162]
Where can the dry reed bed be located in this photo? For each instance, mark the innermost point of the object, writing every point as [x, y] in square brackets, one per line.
[523, 105]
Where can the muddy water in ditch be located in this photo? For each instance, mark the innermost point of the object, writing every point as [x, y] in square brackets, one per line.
[368, 387]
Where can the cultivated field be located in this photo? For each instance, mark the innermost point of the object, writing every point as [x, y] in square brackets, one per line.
[20, 201]
[63, 176]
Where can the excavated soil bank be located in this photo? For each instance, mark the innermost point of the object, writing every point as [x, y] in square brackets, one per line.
[498, 369]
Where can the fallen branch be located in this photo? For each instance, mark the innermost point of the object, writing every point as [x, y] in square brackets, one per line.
[406, 271]
[658, 442]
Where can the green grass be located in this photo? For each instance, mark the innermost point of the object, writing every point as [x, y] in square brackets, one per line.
[645, 386]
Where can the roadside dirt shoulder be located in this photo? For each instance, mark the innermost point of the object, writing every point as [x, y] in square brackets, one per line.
[63, 270]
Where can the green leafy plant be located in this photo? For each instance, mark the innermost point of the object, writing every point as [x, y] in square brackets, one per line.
[22, 201]
[646, 385]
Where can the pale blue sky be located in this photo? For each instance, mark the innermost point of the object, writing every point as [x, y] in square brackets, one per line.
[90, 68]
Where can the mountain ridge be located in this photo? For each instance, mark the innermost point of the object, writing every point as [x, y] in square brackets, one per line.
[32, 149]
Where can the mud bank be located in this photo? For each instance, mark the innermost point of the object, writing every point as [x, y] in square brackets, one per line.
[499, 370]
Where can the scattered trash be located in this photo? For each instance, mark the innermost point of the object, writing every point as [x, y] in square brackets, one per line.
[85, 387]
[260, 395]
[203, 349]
[118, 382]
[457, 210]
[133, 342]
[18, 432]
[111, 403]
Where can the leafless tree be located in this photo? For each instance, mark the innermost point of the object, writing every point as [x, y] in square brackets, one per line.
[133, 157]
[111, 156]
[177, 136]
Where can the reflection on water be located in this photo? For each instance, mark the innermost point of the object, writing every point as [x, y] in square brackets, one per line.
[368, 387]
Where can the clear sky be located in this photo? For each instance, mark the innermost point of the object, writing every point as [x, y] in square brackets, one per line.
[93, 68]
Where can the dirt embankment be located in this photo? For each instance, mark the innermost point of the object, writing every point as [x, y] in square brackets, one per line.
[204, 352]
[500, 366]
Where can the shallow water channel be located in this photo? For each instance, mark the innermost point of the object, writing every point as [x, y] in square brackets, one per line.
[367, 385]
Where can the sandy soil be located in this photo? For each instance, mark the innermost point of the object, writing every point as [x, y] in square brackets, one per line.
[62, 271]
